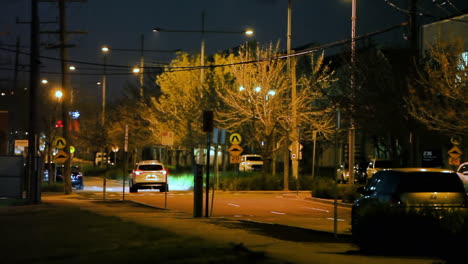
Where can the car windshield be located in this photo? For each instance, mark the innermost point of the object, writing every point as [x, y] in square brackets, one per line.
[383, 164]
[254, 158]
[430, 182]
[150, 167]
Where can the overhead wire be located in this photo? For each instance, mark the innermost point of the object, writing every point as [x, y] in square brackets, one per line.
[189, 68]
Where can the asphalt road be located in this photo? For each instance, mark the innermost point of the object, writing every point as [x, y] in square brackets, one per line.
[276, 207]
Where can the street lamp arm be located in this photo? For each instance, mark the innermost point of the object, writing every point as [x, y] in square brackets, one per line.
[145, 50]
[248, 32]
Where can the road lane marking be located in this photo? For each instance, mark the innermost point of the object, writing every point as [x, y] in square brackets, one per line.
[316, 209]
[233, 205]
[273, 212]
[342, 220]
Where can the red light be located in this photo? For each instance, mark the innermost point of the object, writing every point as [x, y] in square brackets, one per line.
[59, 123]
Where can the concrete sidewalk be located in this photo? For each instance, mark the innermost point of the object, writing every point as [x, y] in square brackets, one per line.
[311, 247]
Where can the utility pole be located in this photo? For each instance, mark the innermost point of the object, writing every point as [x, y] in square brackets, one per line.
[142, 65]
[66, 96]
[293, 94]
[34, 194]
[352, 129]
[414, 57]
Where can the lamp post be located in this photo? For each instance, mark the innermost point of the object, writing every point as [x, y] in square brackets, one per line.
[202, 64]
[247, 32]
[352, 129]
[104, 50]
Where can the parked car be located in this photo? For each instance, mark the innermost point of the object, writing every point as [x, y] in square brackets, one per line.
[251, 162]
[376, 165]
[463, 170]
[77, 179]
[149, 174]
[409, 188]
[359, 173]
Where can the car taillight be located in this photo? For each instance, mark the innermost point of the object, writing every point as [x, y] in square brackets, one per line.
[165, 172]
[138, 172]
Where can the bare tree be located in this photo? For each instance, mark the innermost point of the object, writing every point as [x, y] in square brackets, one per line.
[257, 103]
[438, 97]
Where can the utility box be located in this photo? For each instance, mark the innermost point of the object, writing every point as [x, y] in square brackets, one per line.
[11, 176]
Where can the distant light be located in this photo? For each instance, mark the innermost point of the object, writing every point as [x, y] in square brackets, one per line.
[74, 114]
[249, 32]
[44, 81]
[98, 83]
[241, 88]
[72, 68]
[58, 94]
[3, 94]
[156, 29]
[105, 49]
[272, 93]
[136, 70]
[258, 89]
[25, 88]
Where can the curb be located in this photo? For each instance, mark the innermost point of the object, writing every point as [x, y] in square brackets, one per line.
[329, 201]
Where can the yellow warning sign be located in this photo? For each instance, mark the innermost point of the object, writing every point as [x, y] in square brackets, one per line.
[59, 142]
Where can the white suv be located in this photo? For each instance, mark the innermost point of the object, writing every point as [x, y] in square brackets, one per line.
[251, 162]
[149, 174]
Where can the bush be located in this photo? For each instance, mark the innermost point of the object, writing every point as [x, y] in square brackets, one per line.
[324, 187]
[52, 187]
[428, 232]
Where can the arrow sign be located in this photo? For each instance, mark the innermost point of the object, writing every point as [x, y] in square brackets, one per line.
[235, 138]
[60, 142]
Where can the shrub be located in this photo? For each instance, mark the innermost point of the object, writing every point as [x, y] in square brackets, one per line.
[52, 187]
[425, 231]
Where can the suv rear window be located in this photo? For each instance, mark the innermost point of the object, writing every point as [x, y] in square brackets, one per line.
[254, 158]
[383, 164]
[150, 167]
[430, 182]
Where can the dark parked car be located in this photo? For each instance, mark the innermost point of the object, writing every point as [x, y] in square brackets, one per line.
[409, 188]
[77, 179]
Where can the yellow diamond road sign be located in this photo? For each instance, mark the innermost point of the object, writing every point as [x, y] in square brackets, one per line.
[455, 152]
[235, 150]
[61, 156]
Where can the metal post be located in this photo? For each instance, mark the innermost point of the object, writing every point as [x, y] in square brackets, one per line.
[207, 187]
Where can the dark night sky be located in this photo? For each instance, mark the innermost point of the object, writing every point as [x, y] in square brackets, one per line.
[120, 24]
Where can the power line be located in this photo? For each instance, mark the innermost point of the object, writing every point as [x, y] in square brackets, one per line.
[182, 68]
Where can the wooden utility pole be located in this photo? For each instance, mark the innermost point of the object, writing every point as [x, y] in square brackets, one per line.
[34, 194]
[66, 96]
[352, 128]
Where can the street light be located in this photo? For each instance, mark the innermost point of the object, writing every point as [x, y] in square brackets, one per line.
[248, 32]
[58, 94]
[104, 50]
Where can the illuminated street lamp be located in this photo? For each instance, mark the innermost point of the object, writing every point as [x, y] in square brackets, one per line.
[44, 81]
[136, 70]
[58, 94]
